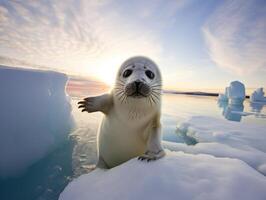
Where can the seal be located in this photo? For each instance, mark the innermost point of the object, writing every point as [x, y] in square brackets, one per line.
[131, 123]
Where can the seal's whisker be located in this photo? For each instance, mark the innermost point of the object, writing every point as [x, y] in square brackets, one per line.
[124, 97]
[157, 93]
[119, 91]
[150, 101]
[153, 99]
[121, 86]
[120, 96]
[154, 95]
[118, 87]
[120, 82]
[155, 86]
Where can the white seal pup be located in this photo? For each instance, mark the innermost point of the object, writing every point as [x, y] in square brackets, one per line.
[131, 125]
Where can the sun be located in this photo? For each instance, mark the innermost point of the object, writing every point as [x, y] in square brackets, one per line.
[107, 70]
[107, 77]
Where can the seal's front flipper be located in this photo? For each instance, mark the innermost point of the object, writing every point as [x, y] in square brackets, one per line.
[154, 148]
[101, 163]
[149, 155]
[99, 103]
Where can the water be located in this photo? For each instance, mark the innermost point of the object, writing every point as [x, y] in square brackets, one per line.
[177, 108]
[48, 177]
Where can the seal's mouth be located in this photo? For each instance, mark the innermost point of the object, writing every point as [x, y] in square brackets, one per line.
[137, 89]
[137, 95]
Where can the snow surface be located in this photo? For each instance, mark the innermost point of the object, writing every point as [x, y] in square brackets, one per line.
[176, 176]
[229, 162]
[258, 96]
[35, 117]
[224, 138]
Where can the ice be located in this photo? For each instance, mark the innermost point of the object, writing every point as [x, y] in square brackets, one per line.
[223, 138]
[235, 93]
[233, 112]
[253, 157]
[35, 117]
[258, 96]
[176, 176]
[224, 97]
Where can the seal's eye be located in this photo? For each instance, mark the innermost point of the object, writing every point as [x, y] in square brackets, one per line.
[150, 74]
[127, 73]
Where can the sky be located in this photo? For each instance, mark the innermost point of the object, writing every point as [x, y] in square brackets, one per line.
[197, 44]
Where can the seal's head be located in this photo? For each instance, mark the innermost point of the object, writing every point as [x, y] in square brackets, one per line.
[138, 78]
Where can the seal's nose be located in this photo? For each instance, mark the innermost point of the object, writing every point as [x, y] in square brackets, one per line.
[138, 85]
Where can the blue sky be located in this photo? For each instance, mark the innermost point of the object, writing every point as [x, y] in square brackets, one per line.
[197, 44]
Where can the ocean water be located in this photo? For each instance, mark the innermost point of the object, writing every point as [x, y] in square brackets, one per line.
[49, 176]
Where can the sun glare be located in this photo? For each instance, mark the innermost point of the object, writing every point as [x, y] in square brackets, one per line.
[107, 70]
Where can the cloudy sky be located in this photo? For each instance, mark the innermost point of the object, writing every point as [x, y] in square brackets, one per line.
[197, 44]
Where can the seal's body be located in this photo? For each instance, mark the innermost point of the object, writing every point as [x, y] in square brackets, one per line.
[131, 125]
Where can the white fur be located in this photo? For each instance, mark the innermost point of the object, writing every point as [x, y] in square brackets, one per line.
[131, 126]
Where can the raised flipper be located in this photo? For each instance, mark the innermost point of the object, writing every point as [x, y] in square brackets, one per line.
[100, 103]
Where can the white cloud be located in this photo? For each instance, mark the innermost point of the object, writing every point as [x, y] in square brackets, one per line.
[235, 35]
[82, 36]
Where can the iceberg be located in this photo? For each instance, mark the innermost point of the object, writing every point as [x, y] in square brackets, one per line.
[258, 96]
[35, 117]
[233, 112]
[176, 176]
[235, 93]
[224, 97]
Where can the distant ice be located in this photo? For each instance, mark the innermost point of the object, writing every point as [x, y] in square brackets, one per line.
[176, 176]
[35, 117]
[235, 93]
[258, 96]
[234, 112]
[224, 97]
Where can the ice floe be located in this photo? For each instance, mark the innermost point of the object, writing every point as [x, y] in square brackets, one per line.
[35, 116]
[177, 176]
[246, 142]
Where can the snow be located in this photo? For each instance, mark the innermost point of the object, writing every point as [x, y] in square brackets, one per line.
[228, 162]
[235, 93]
[223, 138]
[176, 176]
[258, 96]
[35, 117]
[253, 157]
